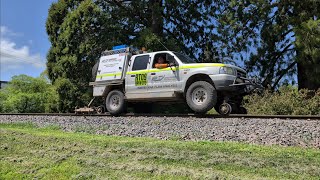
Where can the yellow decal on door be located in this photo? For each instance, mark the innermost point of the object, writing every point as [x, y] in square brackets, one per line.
[141, 79]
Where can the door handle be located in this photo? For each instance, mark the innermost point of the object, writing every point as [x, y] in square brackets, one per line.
[133, 75]
[153, 73]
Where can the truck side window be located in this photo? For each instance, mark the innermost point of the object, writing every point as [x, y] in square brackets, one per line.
[140, 63]
[156, 59]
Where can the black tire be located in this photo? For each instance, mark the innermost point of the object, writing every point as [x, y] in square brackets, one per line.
[197, 100]
[225, 109]
[100, 109]
[115, 103]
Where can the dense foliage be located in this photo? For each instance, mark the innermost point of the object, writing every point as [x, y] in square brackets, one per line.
[274, 40]
[308, 54]
[77, 38]
[287, 101]
[267, 35]
[25, 94]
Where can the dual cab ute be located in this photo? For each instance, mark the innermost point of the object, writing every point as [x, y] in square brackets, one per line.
[122, 78]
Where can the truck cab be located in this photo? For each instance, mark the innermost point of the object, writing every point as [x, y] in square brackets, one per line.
[145, 82]
[127, 78]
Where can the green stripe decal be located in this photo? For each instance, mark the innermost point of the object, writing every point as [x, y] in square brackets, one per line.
[164, 69]
[108, 74]
[138, 72]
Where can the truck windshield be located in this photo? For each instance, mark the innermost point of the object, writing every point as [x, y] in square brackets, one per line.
[184, 58]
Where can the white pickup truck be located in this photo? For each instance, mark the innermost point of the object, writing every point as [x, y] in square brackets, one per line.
[122, 77]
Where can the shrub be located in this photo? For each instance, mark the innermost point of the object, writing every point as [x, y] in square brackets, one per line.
[288, 100]
[25, 94]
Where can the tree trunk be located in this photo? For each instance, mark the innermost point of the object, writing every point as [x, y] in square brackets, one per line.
[305, 76]
[157, 20]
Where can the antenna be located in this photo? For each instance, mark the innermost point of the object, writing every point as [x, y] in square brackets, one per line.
[163, 45]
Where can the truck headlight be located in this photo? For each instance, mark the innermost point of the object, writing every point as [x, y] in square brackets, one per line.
[226, 70]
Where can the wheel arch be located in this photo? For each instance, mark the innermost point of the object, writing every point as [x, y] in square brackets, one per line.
[113, 87]
[197, 77]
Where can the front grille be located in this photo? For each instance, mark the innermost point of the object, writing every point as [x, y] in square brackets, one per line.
[241, 74]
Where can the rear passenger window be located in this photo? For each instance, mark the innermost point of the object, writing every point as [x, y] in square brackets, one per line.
[140, 63]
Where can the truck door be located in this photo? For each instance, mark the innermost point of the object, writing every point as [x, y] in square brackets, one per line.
[137, 77]
[165, 80]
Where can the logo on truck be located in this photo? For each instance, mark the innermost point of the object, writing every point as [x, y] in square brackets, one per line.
[141, 79]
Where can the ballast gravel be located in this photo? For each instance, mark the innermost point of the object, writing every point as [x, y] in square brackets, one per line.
[290, 132]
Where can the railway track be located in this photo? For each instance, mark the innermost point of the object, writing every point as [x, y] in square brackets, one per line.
[303, 117]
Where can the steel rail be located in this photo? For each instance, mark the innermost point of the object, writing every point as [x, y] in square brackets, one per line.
[304, 117]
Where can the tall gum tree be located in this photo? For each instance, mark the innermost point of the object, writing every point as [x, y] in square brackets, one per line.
[267, 33]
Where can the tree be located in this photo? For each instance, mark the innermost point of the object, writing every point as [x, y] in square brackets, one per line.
[308, 48]
[266, 31]
[26, 94]
[79, 31]
[183, 26]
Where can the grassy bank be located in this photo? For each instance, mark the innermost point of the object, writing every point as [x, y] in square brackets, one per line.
[28, 152]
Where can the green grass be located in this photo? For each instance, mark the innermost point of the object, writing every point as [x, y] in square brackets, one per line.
[28, 152]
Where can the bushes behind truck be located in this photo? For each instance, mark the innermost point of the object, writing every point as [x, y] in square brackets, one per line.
[288, 100]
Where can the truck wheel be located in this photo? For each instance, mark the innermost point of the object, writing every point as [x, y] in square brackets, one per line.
[225, 109]
[201, 96]
[115, 102]
[100, 109]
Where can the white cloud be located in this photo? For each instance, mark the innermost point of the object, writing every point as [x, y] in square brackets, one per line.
[4, 31]
[14, 57]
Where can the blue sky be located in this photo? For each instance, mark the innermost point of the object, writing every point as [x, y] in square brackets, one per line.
[23, 41]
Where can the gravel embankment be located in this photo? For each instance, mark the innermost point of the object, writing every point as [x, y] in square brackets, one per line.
[305, 133]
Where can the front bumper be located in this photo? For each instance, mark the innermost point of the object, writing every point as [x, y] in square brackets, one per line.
[249, 85]
[231, 83]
